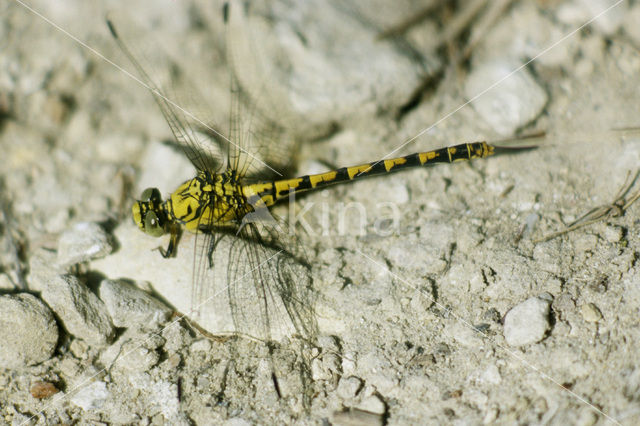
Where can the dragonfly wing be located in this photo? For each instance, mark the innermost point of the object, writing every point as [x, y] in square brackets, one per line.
[262, 149]
[177, 116]
[270, 290]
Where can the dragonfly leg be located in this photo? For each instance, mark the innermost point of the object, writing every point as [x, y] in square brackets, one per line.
[173, 242]
[210, 251]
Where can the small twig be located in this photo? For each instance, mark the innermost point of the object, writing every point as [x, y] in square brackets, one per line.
[606, 211]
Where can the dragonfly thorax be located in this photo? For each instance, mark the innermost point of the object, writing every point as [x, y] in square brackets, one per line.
[207, 200]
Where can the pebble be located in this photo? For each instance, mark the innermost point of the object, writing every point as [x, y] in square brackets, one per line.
[92, 396]
[79, 349]
[527, 322]
[318, 372]
[348, 387]
[510, 104]
[477, 282]
[176, 337]
[613, 234]
[138, 358]
[373, 404]
[81, 312]
[491, 375]
[82, 242]
[42, 266]
[173, 361]
[131, 307]
[158, 393]
[38, 332]
[42, 389]
[133, 351]
[590, 312]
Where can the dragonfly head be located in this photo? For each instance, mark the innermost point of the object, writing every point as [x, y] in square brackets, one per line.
[148, 213]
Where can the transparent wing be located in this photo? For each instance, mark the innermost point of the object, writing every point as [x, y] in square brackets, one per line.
[178, 118]
[257, 279]
[262, 148]
[278, 299]
[256, 147]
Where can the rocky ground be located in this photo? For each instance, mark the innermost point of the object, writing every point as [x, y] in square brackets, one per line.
[437, 297]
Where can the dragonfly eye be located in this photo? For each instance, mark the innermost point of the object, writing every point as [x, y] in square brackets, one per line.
[150, 195]
[152, 225]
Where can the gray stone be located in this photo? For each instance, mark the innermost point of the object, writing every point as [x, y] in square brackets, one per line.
[42, 266]
[28, 331]
[613, 234]
[491, 375]
[527, 322]
[82, 242]
[348, 387]
[159, 393]
[131, 307]
[322, 75]
[92, 396]
[372, 404]
[590, 312]
[133, 352]
[515, 100]
[81, 312]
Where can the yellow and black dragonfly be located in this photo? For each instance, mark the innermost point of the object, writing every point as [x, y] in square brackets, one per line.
[267, 279]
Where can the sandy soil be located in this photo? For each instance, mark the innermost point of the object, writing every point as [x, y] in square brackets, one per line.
[454, 314]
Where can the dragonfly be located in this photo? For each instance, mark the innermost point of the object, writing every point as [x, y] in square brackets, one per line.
[267, 278]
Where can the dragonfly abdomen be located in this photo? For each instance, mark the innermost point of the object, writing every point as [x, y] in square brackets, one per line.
[272, 192]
